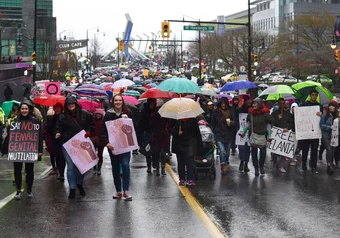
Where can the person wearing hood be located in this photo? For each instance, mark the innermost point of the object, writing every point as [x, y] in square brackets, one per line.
[71, 122]
[143, 132]
[118, 110]
[284, 120]
[96, 138]
[313, 143]
[258, 118]
[25, 114]
[326, 124]
[223, 123]
[236, 111]
[58, 109]
[48, 134]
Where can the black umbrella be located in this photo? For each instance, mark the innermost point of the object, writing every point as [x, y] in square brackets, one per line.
[27, 85]
[11, 84]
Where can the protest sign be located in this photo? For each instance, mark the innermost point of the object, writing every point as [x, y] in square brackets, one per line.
[242, 122]
[283, 143]
[52, 88]
[23, 141]
[122, 135]
[335, 133]
[82, 152]
[307, 123]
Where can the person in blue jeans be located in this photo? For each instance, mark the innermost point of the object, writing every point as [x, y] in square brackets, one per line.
[118, 110]
[223, 123]
[70, 123]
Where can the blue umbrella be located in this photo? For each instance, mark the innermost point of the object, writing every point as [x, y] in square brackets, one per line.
[153, 85]
[110, 93]
[237, 85]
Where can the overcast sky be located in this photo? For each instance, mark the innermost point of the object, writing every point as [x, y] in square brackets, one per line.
[75, 16]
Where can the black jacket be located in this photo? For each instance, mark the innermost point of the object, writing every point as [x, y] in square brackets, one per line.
[222, 131]
[287, 120]
[143, 119]
[111, 116]
[191, 136]
[69, 127]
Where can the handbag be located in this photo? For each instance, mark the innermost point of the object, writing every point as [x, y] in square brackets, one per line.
[257, 140]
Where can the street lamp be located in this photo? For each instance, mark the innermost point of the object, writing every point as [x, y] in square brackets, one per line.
[87, 45]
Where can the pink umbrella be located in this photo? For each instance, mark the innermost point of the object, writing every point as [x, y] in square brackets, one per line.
[131, 99]
[88, 105]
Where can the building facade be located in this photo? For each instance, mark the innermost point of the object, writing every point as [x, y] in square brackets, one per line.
[17, 28]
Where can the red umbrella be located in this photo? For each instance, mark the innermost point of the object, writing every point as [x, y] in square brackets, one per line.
[131, 99]
[88, 104]
[156, 93]
[49, 100]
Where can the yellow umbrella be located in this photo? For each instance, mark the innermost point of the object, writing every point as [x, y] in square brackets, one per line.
[180, 108]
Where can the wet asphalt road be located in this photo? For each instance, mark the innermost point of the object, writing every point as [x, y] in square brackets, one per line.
[274, 205]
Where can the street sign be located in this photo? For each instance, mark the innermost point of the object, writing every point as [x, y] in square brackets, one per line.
[199, 28]
[242, 68]
[162, 46]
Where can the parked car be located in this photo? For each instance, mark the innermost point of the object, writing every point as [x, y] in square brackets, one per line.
[323, 79]
[230, 77]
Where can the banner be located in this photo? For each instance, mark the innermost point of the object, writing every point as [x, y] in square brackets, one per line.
[283, 143]
[82, 152]
[52, 88]
[307, 123]
[23, 141]
[71, 45]
[242, 122]
[335, 133]
[122, 135]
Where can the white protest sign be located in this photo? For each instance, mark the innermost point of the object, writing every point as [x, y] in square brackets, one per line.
[122, 135]
[283, 143]
[335, 133]
[307, 123]
[242, 121]
[82, 152]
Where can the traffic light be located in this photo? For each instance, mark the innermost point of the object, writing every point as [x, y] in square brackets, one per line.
[337, 55]
[256, 60]
[58, 63]
[165, 29]
[34, 58]
[121, 45]
[150, 47]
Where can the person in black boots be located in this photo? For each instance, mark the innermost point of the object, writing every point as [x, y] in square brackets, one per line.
[25, 110]
[257, 119]
[143, 133]
[71, 122]
[313, 143]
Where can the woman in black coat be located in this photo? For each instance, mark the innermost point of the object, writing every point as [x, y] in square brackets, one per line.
[71, 122]
[186, 141]
[25, 111]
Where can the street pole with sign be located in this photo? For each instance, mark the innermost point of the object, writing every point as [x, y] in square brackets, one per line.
[35, 38]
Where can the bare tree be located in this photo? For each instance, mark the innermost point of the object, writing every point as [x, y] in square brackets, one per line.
[95, 52]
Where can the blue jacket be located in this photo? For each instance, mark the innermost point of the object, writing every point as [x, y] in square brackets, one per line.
[326, 125]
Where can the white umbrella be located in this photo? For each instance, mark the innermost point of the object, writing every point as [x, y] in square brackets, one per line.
[180, 108]
[103, 77]
[208, 92]
[122, 83]
[263, 85]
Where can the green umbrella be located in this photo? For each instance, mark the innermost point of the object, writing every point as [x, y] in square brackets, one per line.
[7, 106]
[179, 85]
[132, 93]
[273, 93]
[304, 89]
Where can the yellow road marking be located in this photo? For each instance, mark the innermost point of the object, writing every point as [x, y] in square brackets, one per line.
[196, 206]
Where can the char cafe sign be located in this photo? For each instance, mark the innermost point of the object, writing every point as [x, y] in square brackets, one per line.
[71, 45]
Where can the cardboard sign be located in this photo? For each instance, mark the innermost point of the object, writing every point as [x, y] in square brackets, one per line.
[335, 133]
[23, 141]
[242, 121]
[82, 152]
[283, 143]
[122, 135]
[52, 88]
[307, 123]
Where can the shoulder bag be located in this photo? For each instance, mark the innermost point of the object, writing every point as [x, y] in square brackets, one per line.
[257, 140]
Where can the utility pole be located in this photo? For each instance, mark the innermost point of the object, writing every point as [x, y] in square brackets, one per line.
[118, 52]
[35, 38]
[199, 51]
[249, 43]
